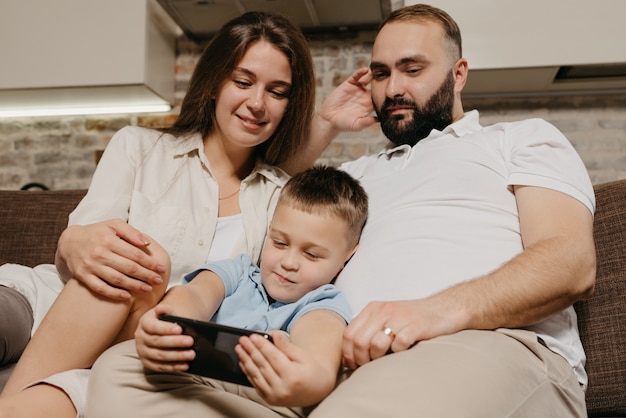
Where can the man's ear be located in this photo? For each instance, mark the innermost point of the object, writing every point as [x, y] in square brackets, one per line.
[460, 71]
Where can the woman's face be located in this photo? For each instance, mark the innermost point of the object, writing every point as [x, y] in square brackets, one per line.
[251, 102]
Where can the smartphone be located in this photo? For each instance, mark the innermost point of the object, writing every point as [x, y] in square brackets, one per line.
[214, 345]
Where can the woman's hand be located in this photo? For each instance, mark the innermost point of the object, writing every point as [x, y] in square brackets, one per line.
[161, 345]
[111, 258]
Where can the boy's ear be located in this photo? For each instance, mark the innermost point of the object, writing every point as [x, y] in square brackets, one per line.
[356, 247]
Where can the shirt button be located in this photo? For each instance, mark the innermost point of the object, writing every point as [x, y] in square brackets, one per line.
[200, 242]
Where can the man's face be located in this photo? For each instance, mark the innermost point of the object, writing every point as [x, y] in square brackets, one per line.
[405, 128]
[413, 87]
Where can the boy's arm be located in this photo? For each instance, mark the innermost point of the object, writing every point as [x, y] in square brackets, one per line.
[198, 299]
[298, 371]
[160, 344]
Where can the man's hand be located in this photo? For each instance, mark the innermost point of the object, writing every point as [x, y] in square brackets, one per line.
[111, 258]
[349, 107]
[394, 326]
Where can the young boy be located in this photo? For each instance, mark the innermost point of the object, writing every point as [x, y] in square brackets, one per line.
[313, 233]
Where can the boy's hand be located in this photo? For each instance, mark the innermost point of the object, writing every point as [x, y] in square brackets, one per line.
[161, 345]
[282, 373]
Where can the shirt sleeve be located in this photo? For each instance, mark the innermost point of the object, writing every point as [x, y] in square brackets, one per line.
[540, 155]
[111, 186]
[325, 297]
[232, 271]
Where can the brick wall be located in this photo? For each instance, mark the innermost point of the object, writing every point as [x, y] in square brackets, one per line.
[60, 152]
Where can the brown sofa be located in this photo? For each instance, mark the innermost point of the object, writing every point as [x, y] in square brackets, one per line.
[31, 221]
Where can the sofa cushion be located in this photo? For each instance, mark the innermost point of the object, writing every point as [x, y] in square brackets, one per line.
[602, 318]
[31, 222]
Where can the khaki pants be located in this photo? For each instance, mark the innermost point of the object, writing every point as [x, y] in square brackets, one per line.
[482, 374]
[119, 387]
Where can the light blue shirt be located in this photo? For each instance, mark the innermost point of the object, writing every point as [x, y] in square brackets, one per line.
[246, 304]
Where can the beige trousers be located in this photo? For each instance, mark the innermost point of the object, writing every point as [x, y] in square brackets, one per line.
[119, 387]
[482, 374]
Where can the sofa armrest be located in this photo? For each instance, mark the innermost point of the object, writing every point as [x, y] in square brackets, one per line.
[602, 318]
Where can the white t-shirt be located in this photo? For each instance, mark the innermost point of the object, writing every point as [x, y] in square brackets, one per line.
[228, 233]
[443, 212]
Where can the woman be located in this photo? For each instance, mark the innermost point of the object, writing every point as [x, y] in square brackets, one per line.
[203, 189]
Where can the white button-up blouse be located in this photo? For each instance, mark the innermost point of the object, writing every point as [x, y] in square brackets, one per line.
[163, 186]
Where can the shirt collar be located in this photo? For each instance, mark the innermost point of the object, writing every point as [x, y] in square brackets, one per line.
[193, 143]
[270, 172]
[188, 143]
[468, 124]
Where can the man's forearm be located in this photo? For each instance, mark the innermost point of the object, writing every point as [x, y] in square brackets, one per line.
[321, 135]
[538, 283]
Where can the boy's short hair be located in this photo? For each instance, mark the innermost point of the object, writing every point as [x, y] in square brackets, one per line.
[327, 189]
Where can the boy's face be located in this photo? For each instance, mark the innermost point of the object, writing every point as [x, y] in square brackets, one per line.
[302, 251]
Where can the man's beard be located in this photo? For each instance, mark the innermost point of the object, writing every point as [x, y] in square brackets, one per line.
[435, 114]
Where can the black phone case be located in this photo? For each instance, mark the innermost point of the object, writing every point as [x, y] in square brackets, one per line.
[214, 345]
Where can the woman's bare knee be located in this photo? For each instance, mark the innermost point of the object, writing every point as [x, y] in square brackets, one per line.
[162, 257]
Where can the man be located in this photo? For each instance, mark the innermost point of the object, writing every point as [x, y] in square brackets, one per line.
[478, 242]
